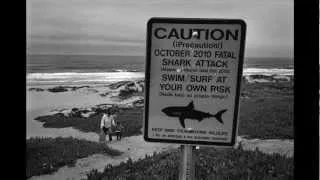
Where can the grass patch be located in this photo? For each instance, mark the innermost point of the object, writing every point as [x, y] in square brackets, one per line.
[267, 118]
[231, 164]
[47, 155]
[91, 124]
[268, 110]
[130, 118]
[266, 89]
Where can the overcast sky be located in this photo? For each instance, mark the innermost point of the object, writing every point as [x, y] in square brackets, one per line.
[119, 27]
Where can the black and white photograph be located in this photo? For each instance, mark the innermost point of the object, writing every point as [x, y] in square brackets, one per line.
[159, 90]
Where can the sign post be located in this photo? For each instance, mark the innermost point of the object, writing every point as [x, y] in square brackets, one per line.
[193, 74]
[187, 170]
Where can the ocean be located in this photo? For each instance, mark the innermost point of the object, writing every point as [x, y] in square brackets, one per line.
[101, 69]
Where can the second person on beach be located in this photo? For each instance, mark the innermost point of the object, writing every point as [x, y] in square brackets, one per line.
[107, 122]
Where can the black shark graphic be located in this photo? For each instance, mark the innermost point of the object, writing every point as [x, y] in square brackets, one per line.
[188, 112]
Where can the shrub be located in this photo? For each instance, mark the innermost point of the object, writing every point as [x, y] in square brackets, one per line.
[130, 118]
[47, 155]
[209, 164]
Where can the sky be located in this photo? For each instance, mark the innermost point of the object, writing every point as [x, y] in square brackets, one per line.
[105, 27]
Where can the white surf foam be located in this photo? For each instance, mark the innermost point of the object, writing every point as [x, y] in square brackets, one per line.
[76, 77]
[267, 72]
[110, 77]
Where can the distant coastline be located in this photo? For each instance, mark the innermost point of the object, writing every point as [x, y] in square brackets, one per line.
[107, 63]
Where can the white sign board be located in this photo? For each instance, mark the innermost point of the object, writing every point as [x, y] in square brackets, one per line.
[193, 73]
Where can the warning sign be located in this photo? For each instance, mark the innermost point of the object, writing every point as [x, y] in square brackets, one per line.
[193, 73]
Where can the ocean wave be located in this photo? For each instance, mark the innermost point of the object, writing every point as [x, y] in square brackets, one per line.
[267, 72]
[121, 70]
[77, 77]
[123, 75]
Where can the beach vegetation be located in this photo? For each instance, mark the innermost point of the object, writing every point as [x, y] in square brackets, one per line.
[210, 163]
[130, 118]
[47, 155]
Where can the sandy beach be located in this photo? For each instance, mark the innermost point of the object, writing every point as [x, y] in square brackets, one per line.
[43, 103]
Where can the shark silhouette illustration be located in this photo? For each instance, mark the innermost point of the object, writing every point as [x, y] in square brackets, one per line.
[188, 112]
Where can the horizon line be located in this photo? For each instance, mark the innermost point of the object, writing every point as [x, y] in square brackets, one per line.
[89, 54]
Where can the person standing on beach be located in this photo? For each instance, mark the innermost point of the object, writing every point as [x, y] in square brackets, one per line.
[107, 121]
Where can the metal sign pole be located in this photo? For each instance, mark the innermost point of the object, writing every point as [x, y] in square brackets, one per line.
[187, 163]
[187, 168]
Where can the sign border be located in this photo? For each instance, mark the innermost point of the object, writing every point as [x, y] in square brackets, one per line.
[147, 75]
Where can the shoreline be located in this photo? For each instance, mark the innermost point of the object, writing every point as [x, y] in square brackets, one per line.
[253, 75]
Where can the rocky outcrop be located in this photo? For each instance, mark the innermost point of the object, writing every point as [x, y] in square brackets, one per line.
[36, 89]
[65, 88]
[131, 89]
[138, 103]
[58, 89]
[266, 78]
[104, 94]
[118, 84]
